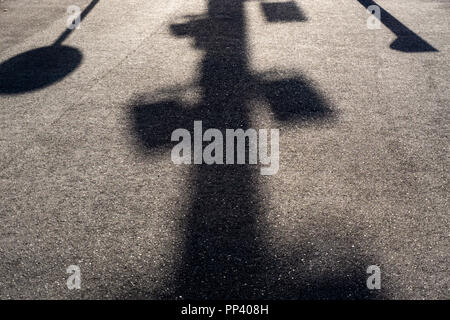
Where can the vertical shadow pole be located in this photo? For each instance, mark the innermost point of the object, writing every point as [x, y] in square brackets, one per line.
[221, 253]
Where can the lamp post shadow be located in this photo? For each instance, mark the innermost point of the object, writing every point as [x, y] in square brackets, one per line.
[41, 67]
[224, 256]
[407, 40]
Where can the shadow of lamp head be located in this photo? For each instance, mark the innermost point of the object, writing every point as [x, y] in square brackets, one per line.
[41, 67]
[411, 43]
[38, 68]
[278, 12]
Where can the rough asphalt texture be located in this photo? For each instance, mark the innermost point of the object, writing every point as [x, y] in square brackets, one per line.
[87, 178]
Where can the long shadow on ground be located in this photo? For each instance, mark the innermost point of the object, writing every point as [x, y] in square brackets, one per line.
[224, 255]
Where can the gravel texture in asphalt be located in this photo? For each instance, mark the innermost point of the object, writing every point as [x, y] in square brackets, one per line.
[86, 176]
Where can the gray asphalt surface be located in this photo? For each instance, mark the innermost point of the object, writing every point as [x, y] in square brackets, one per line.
[86, 176]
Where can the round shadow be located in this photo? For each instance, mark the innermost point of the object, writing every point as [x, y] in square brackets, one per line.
[38, 68]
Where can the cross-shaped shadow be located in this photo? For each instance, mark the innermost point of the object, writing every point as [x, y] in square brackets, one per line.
[224, 256]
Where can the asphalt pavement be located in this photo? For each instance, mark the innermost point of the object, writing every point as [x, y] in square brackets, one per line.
[87, 179]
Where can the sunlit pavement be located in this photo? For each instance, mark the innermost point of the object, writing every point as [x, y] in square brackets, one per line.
[87, 177]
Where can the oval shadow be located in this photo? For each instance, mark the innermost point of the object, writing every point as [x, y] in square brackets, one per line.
[38, 68]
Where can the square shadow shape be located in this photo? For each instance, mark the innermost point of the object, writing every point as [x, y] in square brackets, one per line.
[282, 12]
